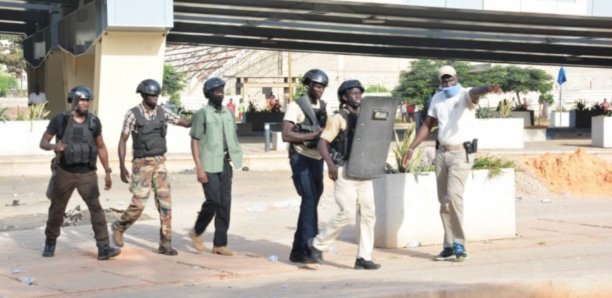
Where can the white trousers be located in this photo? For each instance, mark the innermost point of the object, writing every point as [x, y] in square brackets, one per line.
[353, 197]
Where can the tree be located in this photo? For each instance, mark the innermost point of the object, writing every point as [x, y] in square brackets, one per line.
[174, 82]
[7, 82]
[376, 89]
[519, 80]
[417, 85]
[12, 55]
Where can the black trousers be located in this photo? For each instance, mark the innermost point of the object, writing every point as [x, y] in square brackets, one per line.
[61, 190]
[217, 204]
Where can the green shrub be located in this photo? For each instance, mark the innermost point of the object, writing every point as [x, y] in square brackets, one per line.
[493, 164]
[581, 105]
[417, 164]
[484, 113]
[7, 82]
[3, 115]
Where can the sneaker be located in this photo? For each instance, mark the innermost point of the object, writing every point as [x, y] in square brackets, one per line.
[460, 254]
[196, 240]
[117, 236]
[446, 255]
[222, 250]
[315, 254]
[361, 263]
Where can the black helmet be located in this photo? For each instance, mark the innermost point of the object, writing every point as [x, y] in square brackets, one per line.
[348, 84]
[79, 92]
[315, 75]
[149, 86]
[213, 83]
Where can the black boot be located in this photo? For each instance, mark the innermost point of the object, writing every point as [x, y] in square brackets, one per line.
[106, 251]
[49, 249]
[165, 248]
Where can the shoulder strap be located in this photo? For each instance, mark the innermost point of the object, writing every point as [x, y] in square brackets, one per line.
[65, 121]
[92, 121]
[304, 103]
[161, 113]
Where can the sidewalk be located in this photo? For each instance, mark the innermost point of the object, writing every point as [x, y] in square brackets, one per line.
[562, 248]
[257, 159]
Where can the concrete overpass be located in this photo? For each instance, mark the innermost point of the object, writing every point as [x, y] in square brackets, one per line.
[113, 44]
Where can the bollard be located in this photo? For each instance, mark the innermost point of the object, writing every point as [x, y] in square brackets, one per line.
[267, 135]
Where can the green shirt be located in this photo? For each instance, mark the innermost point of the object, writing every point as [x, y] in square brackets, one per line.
[212, 127]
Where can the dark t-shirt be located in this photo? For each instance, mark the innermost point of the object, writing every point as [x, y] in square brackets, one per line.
[56, 127]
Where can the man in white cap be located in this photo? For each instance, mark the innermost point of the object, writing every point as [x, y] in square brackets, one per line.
[453, 111]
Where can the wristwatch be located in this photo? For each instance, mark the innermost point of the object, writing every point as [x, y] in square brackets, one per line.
[108, 171]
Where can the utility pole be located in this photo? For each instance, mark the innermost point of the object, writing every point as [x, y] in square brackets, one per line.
[290, 77]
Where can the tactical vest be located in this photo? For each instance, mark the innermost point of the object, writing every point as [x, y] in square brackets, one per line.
[340, 147]
[149, 136]
[80, 142]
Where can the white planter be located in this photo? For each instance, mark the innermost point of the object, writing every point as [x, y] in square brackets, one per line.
[534, 134]
[559, 119]
[407, 208]
[500, 133]
[178, 140]
[601, 131]
[22, 137]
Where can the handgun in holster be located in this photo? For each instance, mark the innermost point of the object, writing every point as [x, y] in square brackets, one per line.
[470, 147]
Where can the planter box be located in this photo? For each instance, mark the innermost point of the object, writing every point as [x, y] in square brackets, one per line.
[601, 132]
[534, 134]
[560, 119]
[178, 140]
[582, 118]
[500, 133]
[527, 116]
[407, 209]
[259, 119]
[22, 137]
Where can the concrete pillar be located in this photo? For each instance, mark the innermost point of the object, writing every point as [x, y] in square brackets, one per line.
[122, 61]
[112, 68]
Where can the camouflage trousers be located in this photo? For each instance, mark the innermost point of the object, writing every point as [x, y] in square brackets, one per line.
[148, 174]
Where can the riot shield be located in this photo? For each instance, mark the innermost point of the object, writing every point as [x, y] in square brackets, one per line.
[372, 137]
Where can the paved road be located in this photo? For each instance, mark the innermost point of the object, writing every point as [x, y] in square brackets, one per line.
[562, 249]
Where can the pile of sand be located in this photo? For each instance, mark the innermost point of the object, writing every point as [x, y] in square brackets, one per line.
[578, 172]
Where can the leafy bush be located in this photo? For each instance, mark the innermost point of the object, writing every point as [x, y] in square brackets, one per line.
[173, 83]
[7, 82]
[493, 164]
[419, 163]
[251, 108]
[376, 89]
[546, 98]
[484, 113]
[3, 115]
[505, 110]
[580, 105]
[38, 112]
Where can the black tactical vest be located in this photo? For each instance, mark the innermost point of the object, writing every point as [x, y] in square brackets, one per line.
[340, 147]
[149, 136]
[80, 142]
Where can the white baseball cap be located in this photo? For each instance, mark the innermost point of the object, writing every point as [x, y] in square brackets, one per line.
[446, 70]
